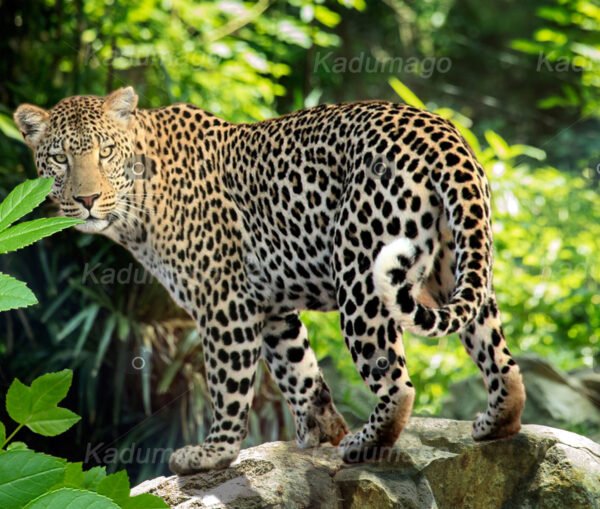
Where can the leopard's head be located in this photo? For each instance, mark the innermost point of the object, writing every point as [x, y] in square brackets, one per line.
[87, 144]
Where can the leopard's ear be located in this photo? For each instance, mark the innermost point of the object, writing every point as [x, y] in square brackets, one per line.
[32, 121]
[120, 105]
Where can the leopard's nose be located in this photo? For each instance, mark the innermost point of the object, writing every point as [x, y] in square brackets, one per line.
[87, 201]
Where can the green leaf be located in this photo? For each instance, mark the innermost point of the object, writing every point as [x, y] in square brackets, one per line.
[23, 199]
[90, 319]
[104, 342]
[405, 93]
[17, 446]
[326, 16]
[92, 477]
[18, 401]
[24, 234]
[115, 486]
[25, 475]
[68, 498]
[35, 406]
[7, 127]
[2, 434]
[50, 389]
[53, 422]
[527, 150]
[145, 501]
[72, 324]
[526, 46]
[14, 294]
[497, 143]
[74, 477]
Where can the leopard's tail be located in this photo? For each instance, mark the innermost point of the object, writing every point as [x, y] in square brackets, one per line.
[399, 279]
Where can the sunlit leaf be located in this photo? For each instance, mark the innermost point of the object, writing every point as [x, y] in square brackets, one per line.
[24, 234]
[36, 406]
[405, 93]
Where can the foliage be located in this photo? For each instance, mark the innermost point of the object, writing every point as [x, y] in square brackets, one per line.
[33, 480]
[20, 202]
[569, 46]
[228, 56]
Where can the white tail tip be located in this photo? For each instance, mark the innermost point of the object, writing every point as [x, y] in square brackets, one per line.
[387, 260]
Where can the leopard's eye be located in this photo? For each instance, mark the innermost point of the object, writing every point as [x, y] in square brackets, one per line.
[106, 151]
[59, 158]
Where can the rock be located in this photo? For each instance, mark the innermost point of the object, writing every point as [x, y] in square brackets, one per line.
[435, 464]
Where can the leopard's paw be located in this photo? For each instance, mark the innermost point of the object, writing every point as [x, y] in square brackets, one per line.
[332, 426]
[502, 418]
[357, 448]
[321, 422]
[199, 458]
[486, 427]
[320, 428]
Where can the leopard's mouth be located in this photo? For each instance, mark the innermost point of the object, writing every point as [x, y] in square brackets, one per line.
[94, 225]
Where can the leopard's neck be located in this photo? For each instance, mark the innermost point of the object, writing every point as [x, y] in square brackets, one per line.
[167, 209]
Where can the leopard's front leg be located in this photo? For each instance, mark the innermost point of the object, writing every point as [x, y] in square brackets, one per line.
[231, 351]
[293, 364]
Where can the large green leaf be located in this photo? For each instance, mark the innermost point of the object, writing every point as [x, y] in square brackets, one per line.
[68, 498]
[14, 294]
[25, 475]
[35, 406]
[23, 199]
[24, 234]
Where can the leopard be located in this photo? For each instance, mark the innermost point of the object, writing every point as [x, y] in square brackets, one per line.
[374, 209]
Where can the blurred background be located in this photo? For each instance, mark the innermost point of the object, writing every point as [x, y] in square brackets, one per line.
[520, 78]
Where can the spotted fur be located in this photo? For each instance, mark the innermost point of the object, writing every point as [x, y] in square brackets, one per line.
[375, 209]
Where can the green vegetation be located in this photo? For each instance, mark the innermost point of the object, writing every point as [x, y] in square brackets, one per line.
[568, 41]
[32, 480]
[137, 361]
[20, 202]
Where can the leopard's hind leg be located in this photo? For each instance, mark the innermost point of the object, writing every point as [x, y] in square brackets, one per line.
[484, 341]
[375, 343]
[373, 337]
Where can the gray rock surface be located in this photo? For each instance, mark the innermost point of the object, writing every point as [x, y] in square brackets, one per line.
[435, 464]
